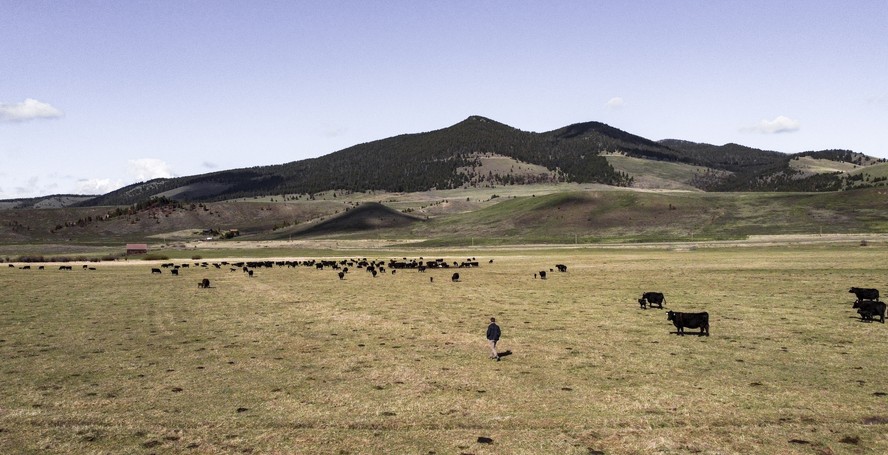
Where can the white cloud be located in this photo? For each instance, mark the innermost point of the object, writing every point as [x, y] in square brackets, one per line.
[29, 109]
[615, 103]
[780, 124]
[145, 169]
[97, 186]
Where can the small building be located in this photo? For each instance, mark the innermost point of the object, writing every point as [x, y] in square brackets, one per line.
[136, 248]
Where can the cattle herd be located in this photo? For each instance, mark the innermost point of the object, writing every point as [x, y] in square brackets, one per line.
[868, 305]
[867, 302]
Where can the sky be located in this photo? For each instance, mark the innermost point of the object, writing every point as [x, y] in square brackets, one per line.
[95, 95]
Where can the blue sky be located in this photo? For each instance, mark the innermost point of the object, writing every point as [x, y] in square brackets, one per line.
[95, 95]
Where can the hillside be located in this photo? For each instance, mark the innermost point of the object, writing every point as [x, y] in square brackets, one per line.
[652, 174]
[45, 202]
[405, 163]
[367, 217]
[590, 217]
[480, 152]
[564, 213]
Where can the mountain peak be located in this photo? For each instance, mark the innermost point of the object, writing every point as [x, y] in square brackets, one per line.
[478, 118]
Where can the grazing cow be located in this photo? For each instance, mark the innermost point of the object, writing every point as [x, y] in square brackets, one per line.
[652, 298]
[561, 267]
[455, 277]
[689, 320]
[85, 266]
[341, 275]
[65, 267]
[175, 272]
[865, 293]
[204, 283]
[153, 271]
[870, 308]
[40, 268]
[12, 265]
[250, 273]
[542, 274]
[26, 267]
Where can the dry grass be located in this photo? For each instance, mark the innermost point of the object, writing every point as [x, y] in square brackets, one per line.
[809, 165]
[117, 360]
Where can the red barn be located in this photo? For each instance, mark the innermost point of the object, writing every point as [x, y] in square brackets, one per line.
[136, 248]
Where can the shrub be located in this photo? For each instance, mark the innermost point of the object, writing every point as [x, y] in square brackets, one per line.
[35, 258]
[155, 257]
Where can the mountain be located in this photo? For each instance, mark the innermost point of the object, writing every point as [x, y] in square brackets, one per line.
[444, 158]
[480, 152]
[45, 202]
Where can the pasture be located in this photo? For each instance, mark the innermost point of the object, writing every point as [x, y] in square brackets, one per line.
[120, 360]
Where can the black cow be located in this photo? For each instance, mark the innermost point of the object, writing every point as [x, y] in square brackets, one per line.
[542, 274]
[870, 308]
[455, 277]
[175, 272]
[341, 275]
[865, 293]
[689, 320]
[153, 271]
[561, 267]
[652, 298]
[204, 283]
[250, 273]
[26, 267]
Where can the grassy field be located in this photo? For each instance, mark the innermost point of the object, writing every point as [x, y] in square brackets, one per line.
[657, 174]
[117, 360]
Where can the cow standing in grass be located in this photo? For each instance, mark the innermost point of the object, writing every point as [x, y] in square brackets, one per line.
[868, 309]
[865, 293]
[689, 320]
[651, 299]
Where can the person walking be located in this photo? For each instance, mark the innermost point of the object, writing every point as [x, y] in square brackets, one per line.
[493, 335]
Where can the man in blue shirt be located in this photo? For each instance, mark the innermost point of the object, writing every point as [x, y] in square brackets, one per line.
[493, 335]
